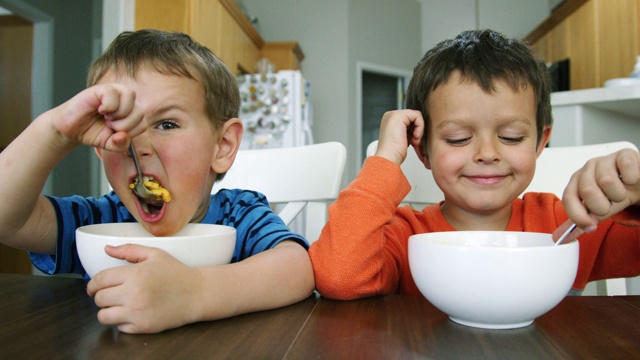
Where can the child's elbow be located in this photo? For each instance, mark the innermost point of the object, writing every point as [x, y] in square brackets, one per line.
[333, 282]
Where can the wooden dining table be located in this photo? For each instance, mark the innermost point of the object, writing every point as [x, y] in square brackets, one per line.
[54, 318]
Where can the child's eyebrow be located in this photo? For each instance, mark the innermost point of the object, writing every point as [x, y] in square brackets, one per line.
[519, 120]
[451, 123]
[165, 108]
[509, 121]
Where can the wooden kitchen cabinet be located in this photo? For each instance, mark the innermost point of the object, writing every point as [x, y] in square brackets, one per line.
[14, 261]
[208, 22]
[618, 37]
[584, 64]
[600, 37]
[285, 55]
[221, 26]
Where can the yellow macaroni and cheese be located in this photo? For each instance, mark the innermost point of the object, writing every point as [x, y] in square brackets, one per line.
[155, 188]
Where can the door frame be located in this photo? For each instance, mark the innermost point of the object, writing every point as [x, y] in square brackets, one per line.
[42, 67]
[382, 70]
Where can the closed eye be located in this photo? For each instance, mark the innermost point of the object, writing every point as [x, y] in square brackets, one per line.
[512, 140]
[457, 141]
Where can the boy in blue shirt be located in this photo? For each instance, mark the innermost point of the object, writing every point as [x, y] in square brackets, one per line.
[178, 103]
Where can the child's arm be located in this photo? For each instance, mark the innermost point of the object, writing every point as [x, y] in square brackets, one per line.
[398, 130]
[171, 294]
[603, 187]
[360, 250]
[99, 116]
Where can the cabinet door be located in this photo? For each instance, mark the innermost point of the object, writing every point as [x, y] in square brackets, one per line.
[560, 47]
[583, 41]
[618, 38]
[163, 15]
[285, 55]
[541, 48]
[14, 261]
[208, 22]
[237, 50]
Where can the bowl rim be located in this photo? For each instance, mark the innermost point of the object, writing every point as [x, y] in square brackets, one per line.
[87, 229]
[427, 238]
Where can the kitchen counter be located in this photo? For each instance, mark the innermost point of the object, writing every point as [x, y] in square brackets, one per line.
[593, 116]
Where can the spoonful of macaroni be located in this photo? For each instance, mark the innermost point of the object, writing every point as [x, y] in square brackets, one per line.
[153, 195]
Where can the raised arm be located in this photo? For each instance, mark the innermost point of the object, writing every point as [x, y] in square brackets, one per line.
[357, 253]
[99, 116]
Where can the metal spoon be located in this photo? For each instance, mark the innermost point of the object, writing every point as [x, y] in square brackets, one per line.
[565, 235]
[141, 191]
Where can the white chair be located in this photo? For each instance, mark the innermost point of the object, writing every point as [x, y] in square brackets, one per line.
[294, 178]
[553, 170]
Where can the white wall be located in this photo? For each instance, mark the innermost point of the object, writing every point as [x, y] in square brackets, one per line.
[514, 18]
[320, 27]
[442, 20]
[334, 35]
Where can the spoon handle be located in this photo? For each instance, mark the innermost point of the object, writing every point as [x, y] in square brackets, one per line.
[566, 234]
[132, 151]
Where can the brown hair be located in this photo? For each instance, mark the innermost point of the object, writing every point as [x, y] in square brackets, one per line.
[173, 53]
[482, 56]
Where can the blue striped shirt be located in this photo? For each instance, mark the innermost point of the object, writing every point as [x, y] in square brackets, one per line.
[258, 228]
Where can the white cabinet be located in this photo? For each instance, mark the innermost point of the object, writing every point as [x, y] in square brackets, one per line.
[593, 116]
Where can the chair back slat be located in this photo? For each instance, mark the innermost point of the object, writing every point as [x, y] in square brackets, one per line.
[294, 177]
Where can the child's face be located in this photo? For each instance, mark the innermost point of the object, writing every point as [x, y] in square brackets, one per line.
[481, 147]
[177, 149]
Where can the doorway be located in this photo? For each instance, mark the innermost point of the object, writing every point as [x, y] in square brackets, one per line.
[16, 43]
[60, 42]
[379, 89]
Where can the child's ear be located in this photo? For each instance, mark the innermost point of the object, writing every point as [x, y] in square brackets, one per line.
[544, 140]
[423, 156]
[228, 145]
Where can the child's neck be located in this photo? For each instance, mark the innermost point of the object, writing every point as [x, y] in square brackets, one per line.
[463, 220]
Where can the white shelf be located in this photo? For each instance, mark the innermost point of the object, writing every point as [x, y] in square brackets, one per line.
[624, 100]
[594, 116]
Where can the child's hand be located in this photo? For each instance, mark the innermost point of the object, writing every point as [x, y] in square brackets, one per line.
[398, 130]
[157, 293]
[603, 187]
[103, 116]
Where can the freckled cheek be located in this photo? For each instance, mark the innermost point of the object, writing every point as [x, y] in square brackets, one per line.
[189, 170]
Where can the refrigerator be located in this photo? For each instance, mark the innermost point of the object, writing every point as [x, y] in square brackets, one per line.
[275, 110]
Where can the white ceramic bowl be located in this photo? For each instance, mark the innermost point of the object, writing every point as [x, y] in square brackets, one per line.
[194, 245]
[492, 279]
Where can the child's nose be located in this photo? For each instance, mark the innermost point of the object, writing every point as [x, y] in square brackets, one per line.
[142, 145]
[486, 151]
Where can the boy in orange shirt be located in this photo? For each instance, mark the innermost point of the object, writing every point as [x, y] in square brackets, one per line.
[480, 116]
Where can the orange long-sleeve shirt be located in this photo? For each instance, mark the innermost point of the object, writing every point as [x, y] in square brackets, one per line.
[362, 251]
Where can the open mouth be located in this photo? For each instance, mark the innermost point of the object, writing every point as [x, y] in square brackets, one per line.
[149, 206]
